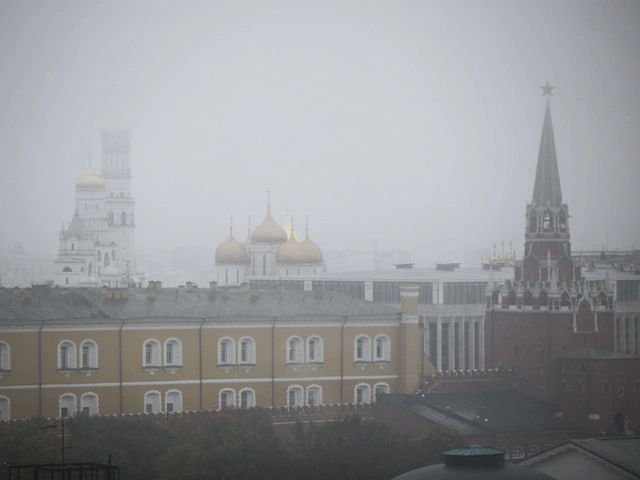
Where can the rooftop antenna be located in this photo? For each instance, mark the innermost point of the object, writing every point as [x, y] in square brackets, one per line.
[306, 227]
[269, 199]
[231, 224]
[249, 226]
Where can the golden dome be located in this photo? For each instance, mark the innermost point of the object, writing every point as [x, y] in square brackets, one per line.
[291, 253]
[288, 227]
[269, 231]
[313, 252]
[89, 180]
[231, 252]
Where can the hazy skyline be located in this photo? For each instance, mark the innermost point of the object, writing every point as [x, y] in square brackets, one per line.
[411, 124]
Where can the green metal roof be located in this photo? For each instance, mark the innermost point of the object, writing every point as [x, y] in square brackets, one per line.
[53, 305]
[481, 413]
[623, 452]
[546, 190]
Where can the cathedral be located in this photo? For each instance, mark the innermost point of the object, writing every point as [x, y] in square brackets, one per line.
[270, 250]
[98, 246]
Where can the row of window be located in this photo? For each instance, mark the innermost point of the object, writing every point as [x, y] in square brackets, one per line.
[170, 354]
[87, 355]
[297, 396]
[518, 452]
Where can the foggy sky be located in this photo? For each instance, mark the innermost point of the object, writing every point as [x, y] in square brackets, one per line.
[415, 125]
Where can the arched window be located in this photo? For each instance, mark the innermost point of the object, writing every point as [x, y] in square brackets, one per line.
[110, 217]
[315, 352]
[543, 300]
[533, 450]
[73, 246]
[380, 388]
[362, 349]
[227, 398]
[173, 352]
[99, 256]
[247, 353]
[107, 260]
[294, 396]
[518, 452]
[247, 398]
[88, 354]
[152, 402]
[123, 218]
[546, 220]
[66, 355]
[89, 404]
[562, 219]
[314, 395]
[362, 393]
[565, 300]
[382, 351]
[5, 409]
[90, 269]
[294, 350]
[533, 222]
[527, 298]
[5, 357]
[173, 401]
[67, 405]
[151, 353]
[67, 270]
[226, 349]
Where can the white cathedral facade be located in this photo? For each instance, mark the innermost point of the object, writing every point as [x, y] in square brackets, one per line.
[98, 246]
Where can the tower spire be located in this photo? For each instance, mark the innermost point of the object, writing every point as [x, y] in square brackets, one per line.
[546, 190]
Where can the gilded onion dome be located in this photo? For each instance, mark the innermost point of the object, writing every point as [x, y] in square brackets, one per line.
[269, 231]
[291, 253]
[90, 180]
[313, 253]
[231, 252]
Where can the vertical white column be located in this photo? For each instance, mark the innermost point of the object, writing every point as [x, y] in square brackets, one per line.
[427, 339]
[481, 342]
[452, 350]
[439, 342]
[461, 348]
[472, 344]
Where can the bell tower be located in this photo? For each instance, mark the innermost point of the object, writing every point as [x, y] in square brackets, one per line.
[119, 201]
[547, 247]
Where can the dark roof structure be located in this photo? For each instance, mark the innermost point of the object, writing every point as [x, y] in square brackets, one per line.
[482, 413]
[475, 462]
[61, 304]
[546, 190]
[619, 452]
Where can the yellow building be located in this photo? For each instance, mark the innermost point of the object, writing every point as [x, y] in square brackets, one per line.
[112, 351]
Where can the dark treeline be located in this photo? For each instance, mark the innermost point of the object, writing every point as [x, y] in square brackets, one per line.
[239, 444]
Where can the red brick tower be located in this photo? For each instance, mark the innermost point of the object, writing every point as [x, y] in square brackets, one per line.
[548, 309]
